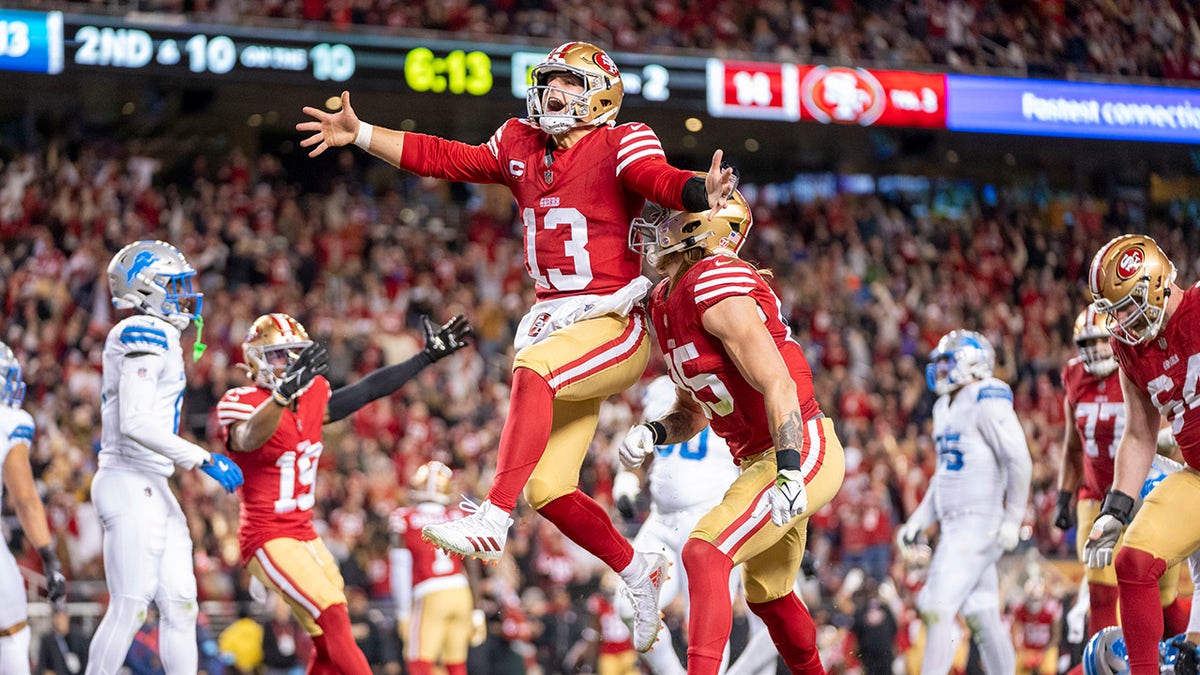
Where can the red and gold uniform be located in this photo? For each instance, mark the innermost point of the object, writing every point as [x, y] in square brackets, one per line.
[616, 654]
[278, 543]
[697, 362]
[439, 623]
[1034, 625]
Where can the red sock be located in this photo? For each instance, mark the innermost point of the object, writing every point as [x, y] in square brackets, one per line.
[793, 632]
[343, 652]
[420, 668]
[524, 438]
[1141, 613]
[586, 523]
[1103, 601]
[456, 669]
[1175, 617]
[320, 665]
[710, 615]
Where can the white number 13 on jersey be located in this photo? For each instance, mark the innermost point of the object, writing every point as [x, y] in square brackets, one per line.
[297, 474]
[547, 271]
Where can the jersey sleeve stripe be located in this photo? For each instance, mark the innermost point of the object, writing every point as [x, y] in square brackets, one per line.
[723, 281]
[647, 143]
[233, 405]
[730, 291]
[995, 392]
[228, 418]
[641, 155]
[637, 136]
[152, 336]
[723, 270]
[21, 433]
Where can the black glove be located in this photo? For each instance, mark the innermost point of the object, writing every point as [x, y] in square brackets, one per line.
[56, 583]
[626, 507]
[313, 361]
[1064, 515]
[446, 340]
[1186, 662]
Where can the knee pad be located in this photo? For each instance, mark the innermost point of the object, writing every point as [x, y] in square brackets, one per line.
[1138, 567]
[179, 611]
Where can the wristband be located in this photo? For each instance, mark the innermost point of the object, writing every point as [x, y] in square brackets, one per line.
[1118, 505]
[1064, 497]
[363, 139]
[659, 431]
[47, 553]
[787, 459]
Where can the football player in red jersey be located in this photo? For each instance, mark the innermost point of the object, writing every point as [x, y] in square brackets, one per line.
[1035, 630]
[273, 430]
[736, 368]
[1094, 403]
[434, 604]
[579, 179]
[1155, 326]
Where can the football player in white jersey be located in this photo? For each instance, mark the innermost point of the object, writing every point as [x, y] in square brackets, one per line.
[16, 435]
[686, 481]
[147, 548]
[977, 495]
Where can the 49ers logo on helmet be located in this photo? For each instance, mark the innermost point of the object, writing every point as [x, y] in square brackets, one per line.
[606, 64]
[1130, 263]
[842, 95]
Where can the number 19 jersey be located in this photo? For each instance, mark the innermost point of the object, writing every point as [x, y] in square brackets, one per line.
[279, 492]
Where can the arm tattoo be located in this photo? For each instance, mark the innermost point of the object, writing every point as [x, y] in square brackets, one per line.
[787, 436]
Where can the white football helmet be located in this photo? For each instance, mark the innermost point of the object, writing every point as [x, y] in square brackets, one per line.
[154, 278]
[1091, 337]
[1105, 653]
[12, 388]
[961, 356]
[597, 104]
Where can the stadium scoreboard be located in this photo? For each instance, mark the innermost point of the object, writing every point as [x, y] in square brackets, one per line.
[159, 45]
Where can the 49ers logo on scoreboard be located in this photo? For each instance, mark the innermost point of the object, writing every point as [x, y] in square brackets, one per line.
[1130, 263]
[842, 95]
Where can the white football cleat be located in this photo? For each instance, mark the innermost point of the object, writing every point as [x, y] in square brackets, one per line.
[481, 534]
[643, 595]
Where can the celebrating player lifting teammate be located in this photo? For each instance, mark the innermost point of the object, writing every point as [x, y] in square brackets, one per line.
[578, 179]
[736, 368]
[273, 429]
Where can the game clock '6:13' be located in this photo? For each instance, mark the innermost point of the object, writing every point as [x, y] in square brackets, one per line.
[458, 72]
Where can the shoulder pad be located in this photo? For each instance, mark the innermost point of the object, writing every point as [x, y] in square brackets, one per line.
[143, 334]
[20, 428]
[994, 389]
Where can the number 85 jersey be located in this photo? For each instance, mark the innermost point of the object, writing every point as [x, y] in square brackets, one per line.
[279, 492]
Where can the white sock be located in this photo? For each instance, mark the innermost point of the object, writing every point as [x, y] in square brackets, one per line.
[494, 514]
[636, 569]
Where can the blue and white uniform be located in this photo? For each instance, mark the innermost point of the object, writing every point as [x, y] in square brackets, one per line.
[147, 547]
[16, 428]
[981, 486]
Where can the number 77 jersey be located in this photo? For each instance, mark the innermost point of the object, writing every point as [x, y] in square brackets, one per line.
[281, 476]
[1099, 409]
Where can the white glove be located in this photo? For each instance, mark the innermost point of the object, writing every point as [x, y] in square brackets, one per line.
[787, 497]
[627, 485]
[1098, 551]
[1166, 440]
[906, 534]
[1008, 535]
[638, 443]
[1077, 623]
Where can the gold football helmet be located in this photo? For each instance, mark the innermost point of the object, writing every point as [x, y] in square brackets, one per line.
[274, 341]
[1091, 337]
[1130, 279]
[431, 483]
[668, 231]
[597, 104]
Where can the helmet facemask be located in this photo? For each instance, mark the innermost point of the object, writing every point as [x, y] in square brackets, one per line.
[596, 104]
[1132, 319]
[961, 357]
[661, 231]
[431, 483]
[1091, 338]
[274, 342]
[1130, 279]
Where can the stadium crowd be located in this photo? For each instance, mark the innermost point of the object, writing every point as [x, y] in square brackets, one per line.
[868, 283]
[1157, 39]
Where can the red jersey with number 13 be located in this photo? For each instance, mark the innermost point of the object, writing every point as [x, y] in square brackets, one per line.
[697, 360]
[1100, 419]
[1168, 369]
[281, 476]
[576, 207]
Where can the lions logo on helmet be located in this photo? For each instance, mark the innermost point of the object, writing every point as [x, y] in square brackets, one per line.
[273, 341]
[1105, 653]
[666, 231]
[597, 104]
[154, 278]
[12, 389]
[1130, 279]
[431, 483]
[1091, 338]
[960, 357]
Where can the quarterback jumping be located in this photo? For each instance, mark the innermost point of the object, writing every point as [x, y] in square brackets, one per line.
[147, 547]
[737, 369]
[977, 495]
[16, 436]
[1155, 326]
[273, 430]
[578, 178]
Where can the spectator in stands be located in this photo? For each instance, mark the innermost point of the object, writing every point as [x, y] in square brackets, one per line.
[63, 650]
